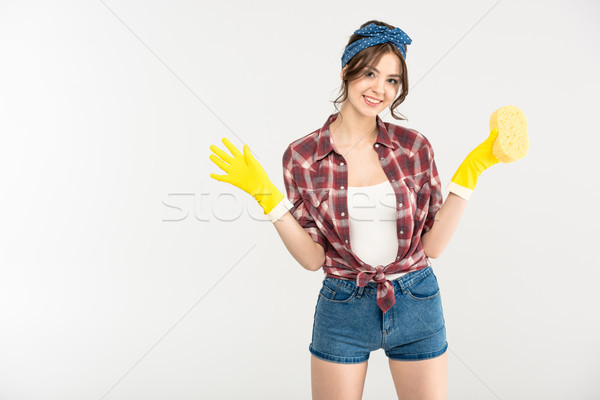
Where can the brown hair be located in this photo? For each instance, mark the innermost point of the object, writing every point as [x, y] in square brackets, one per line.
[370, 56]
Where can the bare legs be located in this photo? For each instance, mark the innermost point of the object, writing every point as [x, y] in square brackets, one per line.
[414, 380]
[334, 381]
[421, 380]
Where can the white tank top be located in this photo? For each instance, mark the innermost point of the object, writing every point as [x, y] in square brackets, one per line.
[372, 222]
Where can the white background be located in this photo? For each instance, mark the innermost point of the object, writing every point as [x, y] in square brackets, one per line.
[126, 272]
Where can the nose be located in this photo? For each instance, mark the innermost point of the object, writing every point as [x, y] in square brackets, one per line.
[378, 85]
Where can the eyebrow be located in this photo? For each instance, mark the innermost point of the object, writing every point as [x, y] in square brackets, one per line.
[376, 70]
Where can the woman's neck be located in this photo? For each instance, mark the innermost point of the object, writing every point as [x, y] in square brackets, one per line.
[352, 129]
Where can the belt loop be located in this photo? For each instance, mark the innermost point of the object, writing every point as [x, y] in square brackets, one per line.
[361, 290]
[401, 285]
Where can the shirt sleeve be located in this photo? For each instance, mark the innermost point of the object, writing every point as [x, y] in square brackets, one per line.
[436, 199]
[299, 210]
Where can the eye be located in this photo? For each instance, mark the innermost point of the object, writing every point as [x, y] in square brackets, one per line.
[391, 80]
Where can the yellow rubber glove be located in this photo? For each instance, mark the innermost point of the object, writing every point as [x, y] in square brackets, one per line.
[247, 174]
[478, 160]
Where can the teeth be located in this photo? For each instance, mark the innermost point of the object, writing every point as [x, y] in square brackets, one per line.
[371, 100]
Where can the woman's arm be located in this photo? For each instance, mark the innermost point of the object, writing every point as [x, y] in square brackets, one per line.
[301, 246]
[247, 174]
[445, 222]
[460, 189]
[305, 243]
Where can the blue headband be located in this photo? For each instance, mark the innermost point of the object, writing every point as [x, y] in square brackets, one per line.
[376, 34]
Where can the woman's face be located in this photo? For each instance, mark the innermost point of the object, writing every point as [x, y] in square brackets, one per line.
[376, 88]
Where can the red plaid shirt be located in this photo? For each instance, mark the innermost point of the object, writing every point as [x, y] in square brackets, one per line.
[316, 181]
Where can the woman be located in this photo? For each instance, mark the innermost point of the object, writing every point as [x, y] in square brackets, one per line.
[379, 290]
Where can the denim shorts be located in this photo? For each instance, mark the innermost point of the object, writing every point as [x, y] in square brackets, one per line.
[348, 323]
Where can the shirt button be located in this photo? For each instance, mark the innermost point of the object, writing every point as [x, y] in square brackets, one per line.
[341, 187]
[317, 204]
[401, 232]
[343, 213]
[342, 163]
[399, 204]
[381, 158]
[346, 240]
[393, 180]
[376, 144]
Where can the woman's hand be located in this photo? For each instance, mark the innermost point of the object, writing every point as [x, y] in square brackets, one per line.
[247, 174]
[478, 160]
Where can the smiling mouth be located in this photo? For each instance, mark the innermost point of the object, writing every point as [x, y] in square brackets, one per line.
[372, 100]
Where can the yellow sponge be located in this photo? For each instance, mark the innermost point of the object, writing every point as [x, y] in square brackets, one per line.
[512, 142]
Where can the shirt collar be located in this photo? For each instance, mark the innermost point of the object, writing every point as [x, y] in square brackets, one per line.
[324, 146]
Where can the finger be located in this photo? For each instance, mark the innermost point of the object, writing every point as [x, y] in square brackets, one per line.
[248, 155]
[492, 137]
[236, 153]
[220, 163]
[221, 153]
[222, 178]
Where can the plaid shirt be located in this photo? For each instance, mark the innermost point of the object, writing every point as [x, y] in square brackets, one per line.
[316, 180]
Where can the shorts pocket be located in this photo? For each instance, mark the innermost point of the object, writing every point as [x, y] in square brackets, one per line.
[333, 291]
[425, 288]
